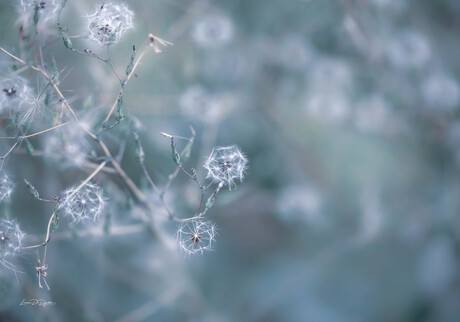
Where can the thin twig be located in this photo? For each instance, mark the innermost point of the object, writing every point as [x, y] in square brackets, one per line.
[3, 157]
[131, 185]
[97, 232]
[94, 55]
[57, 38]
[13, 56]
[34, 134]
[125, 81]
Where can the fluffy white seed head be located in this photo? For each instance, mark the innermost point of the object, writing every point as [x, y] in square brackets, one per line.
[11, 241]
[109, 23]
[6, 188]
[196, 237]
[226, 164]
[86, 204]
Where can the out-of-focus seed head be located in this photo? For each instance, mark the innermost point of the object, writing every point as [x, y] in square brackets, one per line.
[11, 241]
[332, 74]
[13, 90]
[86, 204]
[197, 103]
[300, 204]
[109, 23]
[196, 237]
[441, 91]
[6, 188]
[372, 114]
[409, 49]
[294, 52]
[213, 30]
[39, 13]
[328, 107]
[226, 164]
[69, 143]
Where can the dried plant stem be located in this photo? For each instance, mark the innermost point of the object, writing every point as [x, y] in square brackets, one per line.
[92, 165]
[34, 134]
[40, 54]
[163, 203]
[134, 189]
[160, 194]
[18, 71]
[128, 77]
[202, 188]
[98, 232]
[3, 157]
[94, 55]
[85, 163]
[131, 185]
[149, 177]
[56, 89]
[155, 188]
[13, 56]
[148, 309]
[57, 38]
[171, 177]
[64, 100]
[194, 177]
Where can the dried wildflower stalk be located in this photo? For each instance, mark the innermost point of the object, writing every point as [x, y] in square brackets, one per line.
[85, 201]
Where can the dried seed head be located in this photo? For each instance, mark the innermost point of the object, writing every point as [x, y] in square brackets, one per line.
[155, 42]
[226, 164]
[109, 23]
[196, 237]
[86, 204]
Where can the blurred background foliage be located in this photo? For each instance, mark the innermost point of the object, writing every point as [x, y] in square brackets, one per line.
[348, 112]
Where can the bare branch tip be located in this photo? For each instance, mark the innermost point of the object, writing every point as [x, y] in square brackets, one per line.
[166, 135]
[192, 130]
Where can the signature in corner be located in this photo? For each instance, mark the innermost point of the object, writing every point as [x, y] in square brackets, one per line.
[39, 302]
